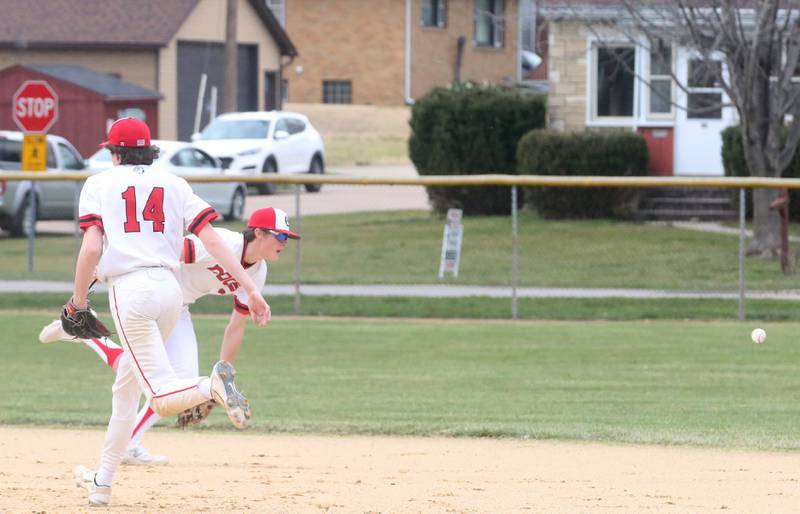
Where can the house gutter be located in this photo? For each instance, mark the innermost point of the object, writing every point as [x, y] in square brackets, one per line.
[520, 20]
[407, 77]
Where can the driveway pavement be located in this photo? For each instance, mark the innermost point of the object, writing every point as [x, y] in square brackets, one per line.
[331, 199]
[335, 199]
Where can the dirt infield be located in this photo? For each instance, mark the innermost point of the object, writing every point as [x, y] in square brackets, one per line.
[232, 472]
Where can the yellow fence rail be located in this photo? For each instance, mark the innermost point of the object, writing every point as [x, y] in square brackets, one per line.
[463, 180]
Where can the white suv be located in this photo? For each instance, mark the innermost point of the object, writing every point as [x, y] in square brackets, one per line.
[264, 142]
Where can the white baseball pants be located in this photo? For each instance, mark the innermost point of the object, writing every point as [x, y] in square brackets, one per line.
[145, 305]
[182, 354]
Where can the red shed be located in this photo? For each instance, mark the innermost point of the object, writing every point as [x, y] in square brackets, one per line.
[87, 101]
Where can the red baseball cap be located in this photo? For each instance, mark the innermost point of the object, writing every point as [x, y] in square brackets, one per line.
[270, 218]
[128, 132]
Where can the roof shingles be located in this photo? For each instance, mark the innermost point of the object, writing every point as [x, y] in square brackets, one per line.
[140, 23]
[107, 85]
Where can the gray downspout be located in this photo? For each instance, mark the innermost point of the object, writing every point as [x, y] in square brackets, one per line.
[407, 78]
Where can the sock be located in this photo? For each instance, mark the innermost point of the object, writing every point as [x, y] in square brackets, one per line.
[108, 351]
[146, 419]
[103, 481]
[204, 386]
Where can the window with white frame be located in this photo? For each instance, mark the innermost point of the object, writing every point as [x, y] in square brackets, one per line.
[434, 13]
[703, 89]
[277, 7]
[527, 20]
[661, 84]
[490, 23]
[614, 81]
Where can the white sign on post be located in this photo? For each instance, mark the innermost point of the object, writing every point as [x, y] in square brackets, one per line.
[451, 243]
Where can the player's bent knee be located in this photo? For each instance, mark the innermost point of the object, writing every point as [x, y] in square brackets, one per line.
[165, 408]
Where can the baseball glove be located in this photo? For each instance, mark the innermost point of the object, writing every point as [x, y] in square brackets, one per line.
[196, 414]
[82, 323]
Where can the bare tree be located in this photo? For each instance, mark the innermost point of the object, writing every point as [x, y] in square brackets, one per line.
[758, 42]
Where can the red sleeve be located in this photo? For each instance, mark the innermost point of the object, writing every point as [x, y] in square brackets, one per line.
[240, 307]
[88, 220]
[205, 217]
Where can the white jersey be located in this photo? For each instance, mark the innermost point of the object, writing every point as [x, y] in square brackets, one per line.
[202, 275]
[143, 214]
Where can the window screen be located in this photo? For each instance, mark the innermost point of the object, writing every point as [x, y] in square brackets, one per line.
[337, 92]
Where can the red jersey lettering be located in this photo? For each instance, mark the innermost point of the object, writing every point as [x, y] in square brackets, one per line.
[224, 277]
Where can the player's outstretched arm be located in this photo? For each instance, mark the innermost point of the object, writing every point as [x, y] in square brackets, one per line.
[259, 310]
[88, 258]
[233, 337]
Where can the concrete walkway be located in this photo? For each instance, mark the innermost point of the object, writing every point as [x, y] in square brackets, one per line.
[443, 291]
[713, 227]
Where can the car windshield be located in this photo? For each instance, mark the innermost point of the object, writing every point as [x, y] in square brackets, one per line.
[239, 129]
[102, 157]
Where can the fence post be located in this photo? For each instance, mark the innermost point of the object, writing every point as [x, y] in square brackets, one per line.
[741, 254]
[297, 250]
[29, 226]
[514, 252]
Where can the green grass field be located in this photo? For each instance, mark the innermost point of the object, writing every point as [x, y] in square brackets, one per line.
[404, 248]
[646, 382]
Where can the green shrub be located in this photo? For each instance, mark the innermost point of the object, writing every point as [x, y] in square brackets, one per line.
[735, 166]
[467, 130]
[597, 153]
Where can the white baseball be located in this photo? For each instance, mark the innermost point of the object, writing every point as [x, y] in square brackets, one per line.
[758, 335]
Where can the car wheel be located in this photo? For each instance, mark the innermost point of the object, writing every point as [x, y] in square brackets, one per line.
[26, 217]
[267, 188]
[316, 168]
[237, 206]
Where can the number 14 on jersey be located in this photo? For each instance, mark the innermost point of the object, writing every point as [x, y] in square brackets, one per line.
[153, 210]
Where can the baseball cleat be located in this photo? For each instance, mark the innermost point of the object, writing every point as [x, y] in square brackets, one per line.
[98, 494]
[224, 392]
[138, 455]
[53, 332]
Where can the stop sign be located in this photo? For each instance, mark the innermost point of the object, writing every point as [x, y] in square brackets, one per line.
[35, 106]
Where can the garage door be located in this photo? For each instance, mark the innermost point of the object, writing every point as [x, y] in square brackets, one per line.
[196, 58]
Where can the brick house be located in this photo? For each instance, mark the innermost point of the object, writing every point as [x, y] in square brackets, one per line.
[589, 89]
[160, 45]
[389, 52]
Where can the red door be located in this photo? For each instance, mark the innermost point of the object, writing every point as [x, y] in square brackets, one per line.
[660, 147]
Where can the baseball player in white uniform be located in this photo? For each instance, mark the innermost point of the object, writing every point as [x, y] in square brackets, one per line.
[133, 220]
[200, 274]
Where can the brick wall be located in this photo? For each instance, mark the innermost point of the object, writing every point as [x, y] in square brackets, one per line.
[357, 40]
[567, 75]
[364, 41]
[434, 49]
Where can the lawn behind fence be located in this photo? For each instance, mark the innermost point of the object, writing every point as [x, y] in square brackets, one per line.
[404, 248]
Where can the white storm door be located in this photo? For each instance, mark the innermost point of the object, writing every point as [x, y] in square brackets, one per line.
[700, 119]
